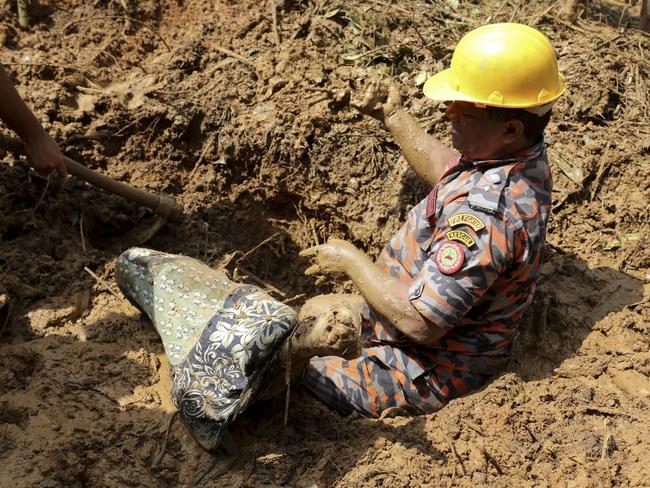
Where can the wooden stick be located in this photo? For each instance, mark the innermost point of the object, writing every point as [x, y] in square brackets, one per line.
[160, 204]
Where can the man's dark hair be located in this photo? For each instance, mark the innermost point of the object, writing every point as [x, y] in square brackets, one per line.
[534, 125]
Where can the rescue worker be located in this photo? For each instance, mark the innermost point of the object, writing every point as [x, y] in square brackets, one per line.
[438, 313]
[42, 152]
[445, 298]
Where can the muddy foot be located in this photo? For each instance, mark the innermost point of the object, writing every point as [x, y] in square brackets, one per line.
[334, 333]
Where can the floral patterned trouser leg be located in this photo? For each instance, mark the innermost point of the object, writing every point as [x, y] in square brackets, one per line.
[221, 338]
[179, 294]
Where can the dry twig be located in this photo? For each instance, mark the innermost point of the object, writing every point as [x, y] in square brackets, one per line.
[236, 56]
[255, 248]
[541, 15]
[474, 427]
[458, 458]
[602, 167]
[261, 282]
[497, 12]
[161, 453]
[488, 457]
[611, 411]
[102, 282]
[276, 30]
[287, 377]
[81, 231]
[7, 318]
[49, 65]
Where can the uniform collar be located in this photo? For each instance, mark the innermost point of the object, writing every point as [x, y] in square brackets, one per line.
[526, 154]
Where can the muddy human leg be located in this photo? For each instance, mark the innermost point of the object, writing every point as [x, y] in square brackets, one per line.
[329, 325]
[318, 305]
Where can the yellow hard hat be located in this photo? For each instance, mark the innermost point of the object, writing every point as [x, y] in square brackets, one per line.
[502, 65]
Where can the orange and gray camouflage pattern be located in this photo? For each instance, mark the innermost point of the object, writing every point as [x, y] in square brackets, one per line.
[497, 211]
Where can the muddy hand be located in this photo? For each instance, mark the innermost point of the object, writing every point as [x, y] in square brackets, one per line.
[44, 154]
[332, 257]
[380, 100]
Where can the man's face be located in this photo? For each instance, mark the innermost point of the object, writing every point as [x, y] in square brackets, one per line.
[473, 133]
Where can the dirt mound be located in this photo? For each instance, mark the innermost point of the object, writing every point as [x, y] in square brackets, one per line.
[239, 110]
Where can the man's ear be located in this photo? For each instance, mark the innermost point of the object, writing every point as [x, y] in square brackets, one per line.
[514, 130]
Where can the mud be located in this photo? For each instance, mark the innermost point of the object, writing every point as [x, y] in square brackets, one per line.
[245, 120]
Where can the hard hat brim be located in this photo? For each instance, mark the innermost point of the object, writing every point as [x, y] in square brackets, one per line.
[438, 87]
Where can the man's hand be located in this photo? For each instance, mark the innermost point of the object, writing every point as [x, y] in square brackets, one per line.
[426, 155]
[380, 101]
[44, 154]
[334, 256]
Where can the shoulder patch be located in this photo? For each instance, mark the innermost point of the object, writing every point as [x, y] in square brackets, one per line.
[466, 219]
[450, 257]
[461, 236]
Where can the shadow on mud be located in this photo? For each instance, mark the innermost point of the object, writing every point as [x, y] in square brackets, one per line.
[567, 306]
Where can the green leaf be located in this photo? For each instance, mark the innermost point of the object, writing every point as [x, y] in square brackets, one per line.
[356, 20]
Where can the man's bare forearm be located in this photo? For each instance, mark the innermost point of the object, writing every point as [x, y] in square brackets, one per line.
[389, 297]
[426, 155]
[15, 113]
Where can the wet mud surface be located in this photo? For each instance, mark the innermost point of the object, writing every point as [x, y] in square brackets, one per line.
[241, 114]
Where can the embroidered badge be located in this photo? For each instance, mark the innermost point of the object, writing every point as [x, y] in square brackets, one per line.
[461, 236]
[466, 219]
[450, 257]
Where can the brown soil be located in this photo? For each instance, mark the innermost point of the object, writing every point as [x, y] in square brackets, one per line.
[263, 147]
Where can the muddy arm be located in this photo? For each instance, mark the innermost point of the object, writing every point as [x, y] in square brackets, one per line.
[40, 148]
[387, 295]
[426, 155]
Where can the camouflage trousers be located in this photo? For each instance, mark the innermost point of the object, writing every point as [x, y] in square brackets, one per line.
[386, 376]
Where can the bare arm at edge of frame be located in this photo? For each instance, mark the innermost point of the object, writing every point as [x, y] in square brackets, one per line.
[41, 150]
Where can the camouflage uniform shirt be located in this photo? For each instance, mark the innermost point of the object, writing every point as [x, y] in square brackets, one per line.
[495, 212]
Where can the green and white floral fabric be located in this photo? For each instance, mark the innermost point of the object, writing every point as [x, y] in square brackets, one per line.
[221, 338]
